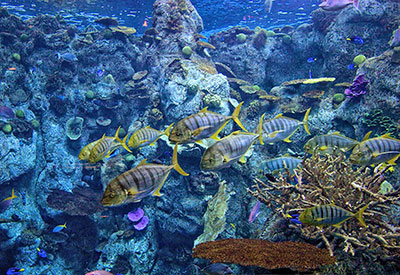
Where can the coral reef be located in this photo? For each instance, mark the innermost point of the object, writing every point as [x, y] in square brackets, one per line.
[332, 180]
[296, 256]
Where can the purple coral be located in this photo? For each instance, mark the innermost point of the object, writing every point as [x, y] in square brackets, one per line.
[136, 215]
[142, 224]
[359, 87]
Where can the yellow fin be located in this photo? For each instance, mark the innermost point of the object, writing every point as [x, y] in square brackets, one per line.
[323, 148]
[287, 139]
[274, 133]
[260, 129]
[199, 130]
[243, 159]
[168, 130]
[204, 110]
[393, 160]
[226, 159]
[359, 214]
[123, 143]
[157, 192]
[143, 162]
[366, 136]
[175, 162]
[200, 142]
[235, 116]
[215, 135]
[280, 115]
[305, 121]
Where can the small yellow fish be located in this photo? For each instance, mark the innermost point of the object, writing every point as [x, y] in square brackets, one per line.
[282, 128]
[376, 150]
[329, 215]
[233, 226]
[106, 146]
[144, 180]
[202, 125]
[147, 136]
[229, 149]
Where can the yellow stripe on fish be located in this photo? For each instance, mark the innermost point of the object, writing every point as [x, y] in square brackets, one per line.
[376, 150]
[143, 180]
[147, 136]
[106, 146]
[282, 128]
[229, 149]
[202, 125]
[326, 143]
[329, 215]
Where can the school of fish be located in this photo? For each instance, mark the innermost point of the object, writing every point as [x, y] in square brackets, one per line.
[148, 178]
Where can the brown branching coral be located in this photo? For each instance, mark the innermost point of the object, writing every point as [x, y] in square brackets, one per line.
[333, 180]
[254, 252]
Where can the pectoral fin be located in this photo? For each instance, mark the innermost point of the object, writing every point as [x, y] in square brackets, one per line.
[199, 130]
[273, 134]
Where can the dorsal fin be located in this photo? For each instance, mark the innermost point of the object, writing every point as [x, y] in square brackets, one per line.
[366, 136]
[204, 110]
[143, 162]
[280, 115]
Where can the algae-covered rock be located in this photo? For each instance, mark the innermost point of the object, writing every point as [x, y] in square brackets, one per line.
[187, 51]
[214, 101]
[74, 128]
[241, 37]
[214, 218]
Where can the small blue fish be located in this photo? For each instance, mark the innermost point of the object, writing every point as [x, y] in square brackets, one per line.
[351, 67]
[311, 59]
[355, 40]
[68, 57]
[41, 253]
[295, 218]
[100, 72]
[14, 271]
[60, 227]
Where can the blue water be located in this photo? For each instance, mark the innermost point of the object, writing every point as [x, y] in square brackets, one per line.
[216, 14]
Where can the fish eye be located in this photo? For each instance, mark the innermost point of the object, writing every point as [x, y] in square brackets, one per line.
[112, 195]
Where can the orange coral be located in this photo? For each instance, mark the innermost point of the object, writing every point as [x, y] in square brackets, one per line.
[297, 256]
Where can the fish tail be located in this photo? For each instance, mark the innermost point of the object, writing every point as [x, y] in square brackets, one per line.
[168, 130]
[123, 143]
[359, 214]
[175, 162]
[12, 194]
[235, 116]
[260, 130]
[305, 121]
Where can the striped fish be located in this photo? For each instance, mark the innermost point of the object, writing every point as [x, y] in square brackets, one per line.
[147, 136]
[202, 125]
[276, 165]
[229, 149]
[376, 150]
[282, 128]
[143, 180]
[329, 215]
[326, 143]
[105, 146]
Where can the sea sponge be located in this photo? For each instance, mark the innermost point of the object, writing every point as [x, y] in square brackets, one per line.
[74, 128]
[7, 128]
[338, 98]
[359, 59]
[213, 101]
[241, 37]
[270, 33]
[19, 114]
[89, 94]
[16, 57]
[187, 51]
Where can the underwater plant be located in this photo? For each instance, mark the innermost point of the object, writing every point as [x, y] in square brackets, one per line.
[331, 180]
